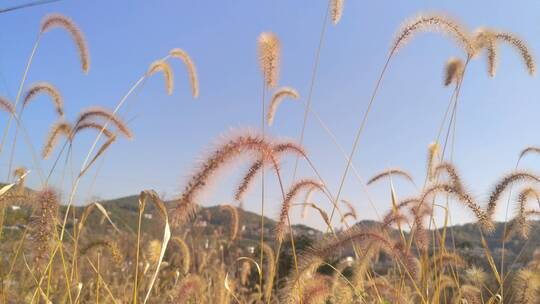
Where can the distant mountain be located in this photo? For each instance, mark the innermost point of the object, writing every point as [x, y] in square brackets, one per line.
[466, 239]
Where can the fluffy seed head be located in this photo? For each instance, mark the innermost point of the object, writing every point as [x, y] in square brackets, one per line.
[163, 66]
[453, 71]
[6, 105]
[57, 129]
[483, 217]
[528, 150]
[522, 215]
[391, 172]
[245, 272]
[503, 184]
[526, 286]
[153, 251]
[269, 49]
[286, 204]
[434, 23]
[336, 10]
[224, 153]
[278, 150]
[192, 71]
[185, 253]
[93, 125]
[270, 270]
[98, 112]
[453, 176]
[310, 260]
[521, 47]
[234, 219]
[44, 224]
[50, 90]
[486, 39]
[352, 211]
[277, 98]
[433, 153]
[190, 288]
[59, 21]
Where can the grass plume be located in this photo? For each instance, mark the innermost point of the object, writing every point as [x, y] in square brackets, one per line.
[453, 71]
[60, 21]
[269, 48]
[232, 148]
[192, 71]
[97, 112]
[276, 100]
[59, 128]
[295, 189]
[391, 173]
[165, 68]
[336, 10]
[233, 213]
[434, 23]
[48, 89]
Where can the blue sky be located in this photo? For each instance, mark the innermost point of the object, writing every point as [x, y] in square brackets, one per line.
[497, 117]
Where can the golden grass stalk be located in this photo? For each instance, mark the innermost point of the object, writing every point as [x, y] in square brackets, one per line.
[453, 71]
[234, 219]
[192, 71]
[59, 21]
[295, 189]
[434, 23]
[391, 172]
[336, 10]
[57, 129]
[165, 68]
[269, 49]
[48, 89]
[98, 112]
[276, 100]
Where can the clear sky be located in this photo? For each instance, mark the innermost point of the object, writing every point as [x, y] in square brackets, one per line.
[497, 117]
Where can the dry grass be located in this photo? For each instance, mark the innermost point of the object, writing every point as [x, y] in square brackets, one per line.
[169, 252]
